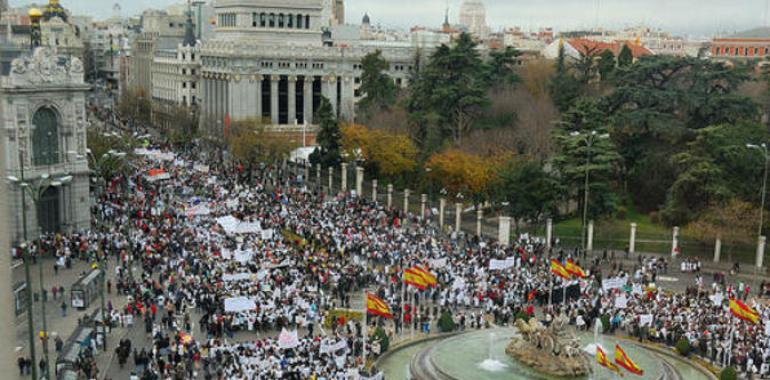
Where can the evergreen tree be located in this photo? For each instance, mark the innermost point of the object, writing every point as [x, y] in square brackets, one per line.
[625, 57]
[606, 65]
[328, 138]
[564, 88]
[378, 88]
[501, 68]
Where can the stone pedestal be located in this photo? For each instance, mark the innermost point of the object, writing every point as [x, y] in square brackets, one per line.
[331, 178]
[423, 202]
[504, 231]
[479, 219]
[390, 196]
[359, 181]
[458, 216]
[632, 239]
[717, 250]
[374, 190]
[441, 207]
[548, 232]
[344, 176]
[590, 243]
[406, 201]
[761, 251]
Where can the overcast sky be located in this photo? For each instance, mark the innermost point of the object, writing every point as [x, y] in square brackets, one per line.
[701, 17]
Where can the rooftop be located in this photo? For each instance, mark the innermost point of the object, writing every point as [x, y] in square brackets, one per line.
[752, 33]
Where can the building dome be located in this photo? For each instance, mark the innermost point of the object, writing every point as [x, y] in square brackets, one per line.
[34, 12]
[54, 9]
[366, 19]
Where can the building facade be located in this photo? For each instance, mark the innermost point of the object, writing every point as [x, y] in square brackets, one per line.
[751, 44]
[473, 15]
[43, 125]
[269, 60]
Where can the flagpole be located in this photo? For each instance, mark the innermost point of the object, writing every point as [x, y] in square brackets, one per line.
[550, 293]
[414, 312]
[402, 314]
[364, 328]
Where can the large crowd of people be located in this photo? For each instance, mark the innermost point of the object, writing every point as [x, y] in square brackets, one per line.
[214, 265]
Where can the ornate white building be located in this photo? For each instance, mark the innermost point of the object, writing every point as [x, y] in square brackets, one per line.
[43, 128]
[274, 59]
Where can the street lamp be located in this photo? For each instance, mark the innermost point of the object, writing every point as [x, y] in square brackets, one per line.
[590, 139]
[763, 148]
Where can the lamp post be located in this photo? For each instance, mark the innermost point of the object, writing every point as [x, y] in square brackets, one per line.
[763, 148]
[36, 190]
[589, 139]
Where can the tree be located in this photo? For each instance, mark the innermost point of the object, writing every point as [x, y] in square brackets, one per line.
[107, 154]
[564, 88]
[377, 87]
[501, 68]
[135, 105]
[530, 192]
[625, 57]
[183, 127]
[252, 143]
[328, 138]
[384, 154]
[462, 173]
[732, 221]
[606, 65]
[583, 149]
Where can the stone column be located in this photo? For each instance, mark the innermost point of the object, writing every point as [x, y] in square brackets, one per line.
[344, 176]
[274, 99]
[717, 250]
[292, 99]
[423, 202]
[359, 181]
[590, 244]
[7, 314]
[331, 178]
[406, 201]
[258, 105]
[347, 101]
[374, 190]
[504, 231]
[307, 100]
[441, 207]
[548, 232]
[675, 242]
[331, 90]
[479, 218]
[632, 239]
[458, 216]
[390, 196]
[761, 251]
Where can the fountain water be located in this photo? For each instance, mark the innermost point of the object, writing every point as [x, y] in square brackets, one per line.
[591, 348]
[491, 364]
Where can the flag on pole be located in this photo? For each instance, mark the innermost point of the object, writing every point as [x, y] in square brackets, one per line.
[743, 312]
[415, 278]
[531, 295]
[375, 305]
[429, 278]
[574, 269]
[622, 359]
[602, 359]
[559, 270]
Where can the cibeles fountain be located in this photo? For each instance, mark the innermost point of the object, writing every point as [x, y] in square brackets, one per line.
[528, 350]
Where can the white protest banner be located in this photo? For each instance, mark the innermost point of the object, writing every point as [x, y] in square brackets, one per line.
[717, 299]
[201, 168]
[231, 203]
[238, 304]
[613, 283]
[326, 348]
[621, 302]
[645, 320]
[438, 263]
[459, 283]
[198, 210]
[288, 339]
[268, 234]
[236, 277]
[501, 264]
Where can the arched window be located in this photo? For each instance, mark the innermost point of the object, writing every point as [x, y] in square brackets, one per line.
[299, 21]
[272, 20]
[280, 20]
[45, 137]
[262, 20]
[289, 21]
[307, 22]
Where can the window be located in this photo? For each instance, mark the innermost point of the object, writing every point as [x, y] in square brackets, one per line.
[184, 99]
[272, 20]
[280, 20]
[289, 21]
[192, 85]
[184, 71]
[756, 51]
[307, 22]
[184, 84]
[184, 56]
[716, 51]
[262, 20]
[254, 19]
[299, 21]
[45, 137]
[192, 57]
[193, 98]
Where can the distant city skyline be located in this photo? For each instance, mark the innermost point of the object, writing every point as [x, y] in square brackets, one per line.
[695, 17]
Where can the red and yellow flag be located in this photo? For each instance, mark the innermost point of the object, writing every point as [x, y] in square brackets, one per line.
[375, 305]
[415, 278]
[559, 270]
[574, 269]
[601, 358]
[622, 359]
[743, 312]
[429, 278]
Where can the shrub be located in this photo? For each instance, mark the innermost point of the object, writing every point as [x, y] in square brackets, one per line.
[728, 374]
[382, 337]
[445, 322]
[621, 213]
[683, 347]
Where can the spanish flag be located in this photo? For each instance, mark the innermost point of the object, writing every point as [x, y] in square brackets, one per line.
[429, 278]
[743, 312]
[375, 305]
[574, 269]
[622, 359]
[601, 358]
[415, 278]
[531, 295]
[559, 270]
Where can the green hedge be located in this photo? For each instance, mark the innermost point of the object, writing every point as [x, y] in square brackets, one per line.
[446, 323]
[728, 374]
